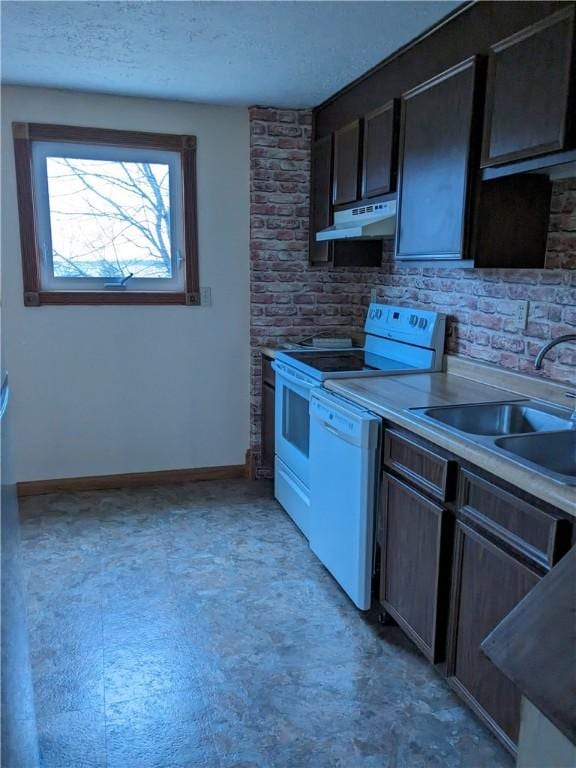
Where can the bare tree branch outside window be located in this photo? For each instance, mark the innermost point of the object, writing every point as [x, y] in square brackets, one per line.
[109, 218]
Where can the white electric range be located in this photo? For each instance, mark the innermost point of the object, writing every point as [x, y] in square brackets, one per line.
[399, 340]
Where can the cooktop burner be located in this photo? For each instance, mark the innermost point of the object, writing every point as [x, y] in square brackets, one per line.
[329, 361]
[397, 340]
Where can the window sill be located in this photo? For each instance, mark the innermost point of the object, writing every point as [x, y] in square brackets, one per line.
[70, 298]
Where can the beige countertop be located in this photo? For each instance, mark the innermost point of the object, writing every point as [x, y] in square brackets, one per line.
[391, 396]
[465, 381]
[269, 352]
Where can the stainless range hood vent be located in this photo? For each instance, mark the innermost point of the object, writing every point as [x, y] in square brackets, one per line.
[375, 220]
[364, 209]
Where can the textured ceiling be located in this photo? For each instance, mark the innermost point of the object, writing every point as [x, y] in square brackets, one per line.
[278, 53]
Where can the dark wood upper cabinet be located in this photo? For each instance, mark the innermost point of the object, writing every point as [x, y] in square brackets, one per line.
[450, 212]
[487, 584]
[321, 199]
[339, 253]
[445, 213]
[346, 164]
[530, 92]
[436, 168]
[379, 151]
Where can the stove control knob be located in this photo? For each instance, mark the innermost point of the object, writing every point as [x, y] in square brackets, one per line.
[378, 314]
[413, 320]
[422, 323]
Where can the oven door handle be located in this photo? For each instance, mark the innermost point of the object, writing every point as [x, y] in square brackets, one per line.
[283, 373]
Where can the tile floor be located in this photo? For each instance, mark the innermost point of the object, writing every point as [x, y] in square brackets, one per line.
[190, 626]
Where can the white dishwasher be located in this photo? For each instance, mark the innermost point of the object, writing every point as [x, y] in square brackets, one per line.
[344, 442]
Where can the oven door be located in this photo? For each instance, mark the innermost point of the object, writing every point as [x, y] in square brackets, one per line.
[292, 419]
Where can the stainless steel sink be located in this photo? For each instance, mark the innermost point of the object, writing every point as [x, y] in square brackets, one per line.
[537, 435]
[553, 451]
[499, 418]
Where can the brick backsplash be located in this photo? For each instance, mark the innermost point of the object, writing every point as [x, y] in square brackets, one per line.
[290, 299]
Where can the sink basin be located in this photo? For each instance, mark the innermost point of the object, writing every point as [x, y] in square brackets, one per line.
[554, 451]
[498, 418]
[538, 435]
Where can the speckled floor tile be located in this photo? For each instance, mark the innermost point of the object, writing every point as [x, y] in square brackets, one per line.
[168, 730]
[67, 678]
[147, 666]
[73, 739]
[62, 626]
[147, 617]
[190, 626]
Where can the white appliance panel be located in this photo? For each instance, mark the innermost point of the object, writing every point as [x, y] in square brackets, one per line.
[292, 420]
[344, 443]
[398, 340]
[292, 495]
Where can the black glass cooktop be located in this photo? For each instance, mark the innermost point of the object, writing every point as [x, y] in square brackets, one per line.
[344, 361]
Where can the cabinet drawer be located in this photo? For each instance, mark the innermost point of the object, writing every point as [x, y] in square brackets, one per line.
[423, 467]
[268, 375]
[527, 529]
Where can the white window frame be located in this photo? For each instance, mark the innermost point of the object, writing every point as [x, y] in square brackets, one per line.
[41, 150]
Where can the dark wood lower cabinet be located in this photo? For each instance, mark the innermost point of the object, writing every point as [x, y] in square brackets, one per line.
[267, 425]
[458, 551]
[414, 551]
[487, 583]
[268, 414]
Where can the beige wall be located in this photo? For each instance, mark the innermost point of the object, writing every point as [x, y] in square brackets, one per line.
[103, 390]
[541, 744]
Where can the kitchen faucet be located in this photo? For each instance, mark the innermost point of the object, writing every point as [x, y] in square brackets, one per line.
[547, 347]
[542, 354]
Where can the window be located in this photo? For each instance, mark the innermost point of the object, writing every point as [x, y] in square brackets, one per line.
[106, 217]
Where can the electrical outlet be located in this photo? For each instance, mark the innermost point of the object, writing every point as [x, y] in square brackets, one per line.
[373, 295]
[521, 314]
[206, 297]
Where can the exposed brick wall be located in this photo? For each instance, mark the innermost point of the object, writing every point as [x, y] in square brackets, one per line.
[290, 299]
[480, 303]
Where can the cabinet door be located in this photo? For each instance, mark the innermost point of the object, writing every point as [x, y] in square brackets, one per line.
[267, 455]
[437, 153]
[379, 161]
[487, 583]
[528, 93]
[414, 543]
[321, 199]
[346, 164]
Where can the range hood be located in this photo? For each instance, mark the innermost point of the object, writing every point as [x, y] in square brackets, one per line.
[373, 220]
